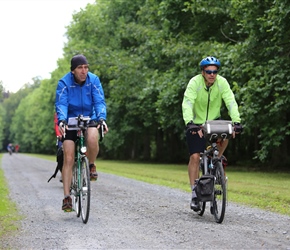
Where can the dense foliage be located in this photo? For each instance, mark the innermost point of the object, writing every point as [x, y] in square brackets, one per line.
[145, 52]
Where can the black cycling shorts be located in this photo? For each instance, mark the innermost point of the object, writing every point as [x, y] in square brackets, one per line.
[195, 144]
[72, 134]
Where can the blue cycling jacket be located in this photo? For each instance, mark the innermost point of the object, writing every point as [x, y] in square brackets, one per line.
[73, 99]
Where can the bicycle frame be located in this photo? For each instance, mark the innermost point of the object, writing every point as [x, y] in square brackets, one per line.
[80, 150]
[81, 180]
[211, 164]
[211, 153]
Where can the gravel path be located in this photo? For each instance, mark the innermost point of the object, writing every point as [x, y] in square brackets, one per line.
[128, 214]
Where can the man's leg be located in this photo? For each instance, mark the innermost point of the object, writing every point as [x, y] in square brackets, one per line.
[222, 145]
[193, 168]
[68, 150]
[92, 150]
[193, 173]
[196, 144]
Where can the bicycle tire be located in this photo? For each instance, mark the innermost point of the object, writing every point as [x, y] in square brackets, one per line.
[201, 203]
[202, 208]
[85, 190]
[219, 202]
[74, 191]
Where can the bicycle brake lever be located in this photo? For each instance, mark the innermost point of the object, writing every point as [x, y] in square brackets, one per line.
[101, 131]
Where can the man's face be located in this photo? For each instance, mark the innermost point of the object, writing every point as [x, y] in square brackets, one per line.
[81, 72]
[210, 73]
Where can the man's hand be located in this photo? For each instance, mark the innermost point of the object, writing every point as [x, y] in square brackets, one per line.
[238, 128]
[62, 127]
[106, 129]
[103, 128]
[104, 124]
[192, 128]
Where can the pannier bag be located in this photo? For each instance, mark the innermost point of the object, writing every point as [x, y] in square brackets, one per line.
[218, 129]
[205, 188]
[59, 160]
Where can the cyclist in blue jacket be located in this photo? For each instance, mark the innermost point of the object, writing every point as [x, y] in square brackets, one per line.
[79, 92]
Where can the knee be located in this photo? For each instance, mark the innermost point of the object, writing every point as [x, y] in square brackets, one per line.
[69, 160]
[194, 157]
[92, 137]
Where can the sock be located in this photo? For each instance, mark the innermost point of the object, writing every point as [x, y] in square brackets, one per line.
[66, 196]
[193, 191]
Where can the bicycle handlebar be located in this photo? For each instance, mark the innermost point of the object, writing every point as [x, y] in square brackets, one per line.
[79, 122]
[82, 122]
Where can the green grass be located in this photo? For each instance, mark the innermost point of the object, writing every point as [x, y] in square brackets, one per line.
[268, 191]
[265, 190]
[9, 216]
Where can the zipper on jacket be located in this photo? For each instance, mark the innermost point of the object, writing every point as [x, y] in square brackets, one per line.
[82, 100]
[207, 109]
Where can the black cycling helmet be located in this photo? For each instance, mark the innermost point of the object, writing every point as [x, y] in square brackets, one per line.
[210, 60]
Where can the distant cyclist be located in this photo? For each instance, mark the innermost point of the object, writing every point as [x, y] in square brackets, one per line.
[16, 148]
[10, 148]
[202, 101]
[79, 92]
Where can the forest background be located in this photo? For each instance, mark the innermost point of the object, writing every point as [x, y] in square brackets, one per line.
[145, 52]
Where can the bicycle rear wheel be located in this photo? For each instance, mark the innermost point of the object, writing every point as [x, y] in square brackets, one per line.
[74, 191]
[85, 191]
[219, 203]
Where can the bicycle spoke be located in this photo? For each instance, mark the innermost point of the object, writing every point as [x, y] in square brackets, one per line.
[85, 191]
[74, 192]
[219, 203]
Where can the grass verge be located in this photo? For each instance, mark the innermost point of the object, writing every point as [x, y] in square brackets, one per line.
[268, 191]
[9, 216]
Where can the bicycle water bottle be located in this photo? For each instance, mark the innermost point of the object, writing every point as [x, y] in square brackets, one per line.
[210, 165]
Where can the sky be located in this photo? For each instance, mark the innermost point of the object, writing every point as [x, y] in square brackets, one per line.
[32, 38]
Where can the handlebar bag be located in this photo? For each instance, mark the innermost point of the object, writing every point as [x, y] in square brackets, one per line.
[218, 129]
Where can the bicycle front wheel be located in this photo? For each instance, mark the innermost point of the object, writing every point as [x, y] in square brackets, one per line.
[85, 190]
[202, 208]
[219, 203]
[74, 191]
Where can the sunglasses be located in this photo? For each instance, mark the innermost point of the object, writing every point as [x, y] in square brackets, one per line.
[209, 72]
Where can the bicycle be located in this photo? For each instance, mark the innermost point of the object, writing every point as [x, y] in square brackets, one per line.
[212, 185]
[80, 187]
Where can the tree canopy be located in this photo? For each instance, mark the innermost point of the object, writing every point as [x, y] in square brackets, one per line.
[145, 52]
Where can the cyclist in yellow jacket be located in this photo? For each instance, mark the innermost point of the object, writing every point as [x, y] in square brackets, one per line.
[202, 101]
